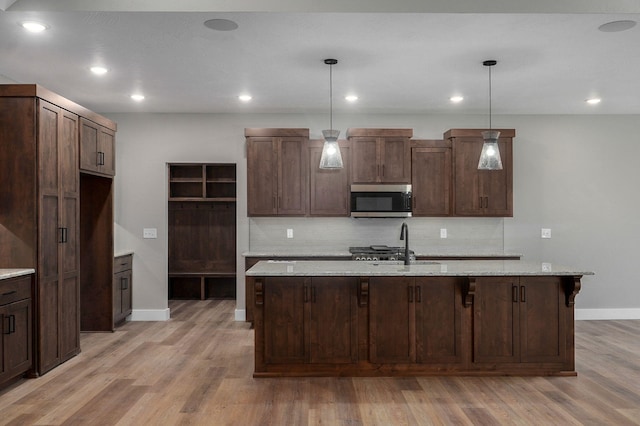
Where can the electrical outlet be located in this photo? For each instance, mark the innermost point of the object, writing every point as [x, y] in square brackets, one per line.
[443, 232]
[289, 233]
[545, 233]
[149, 233]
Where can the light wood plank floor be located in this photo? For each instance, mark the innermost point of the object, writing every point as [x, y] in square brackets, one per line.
[196, 369]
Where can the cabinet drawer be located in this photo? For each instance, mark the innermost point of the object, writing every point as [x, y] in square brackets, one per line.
[14, 289]
[122, 263]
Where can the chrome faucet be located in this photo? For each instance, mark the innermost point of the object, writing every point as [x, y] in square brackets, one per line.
[404, 235]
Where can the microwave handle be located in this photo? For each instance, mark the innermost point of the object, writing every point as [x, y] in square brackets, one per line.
[407, 201]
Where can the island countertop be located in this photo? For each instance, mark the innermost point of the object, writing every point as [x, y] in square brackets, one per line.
[419, 268]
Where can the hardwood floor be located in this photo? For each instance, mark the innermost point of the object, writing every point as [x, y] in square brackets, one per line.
[196, 369]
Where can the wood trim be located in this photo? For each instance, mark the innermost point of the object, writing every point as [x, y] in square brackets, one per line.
[363, 293]
[317, 143]
[430, 143]
[457, 133]
[572, 287]
[35, 90]
[275, 132]
[362, 132]
[469, 291]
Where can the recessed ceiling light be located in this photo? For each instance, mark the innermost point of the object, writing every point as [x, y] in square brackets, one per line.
[617, 26]
[33, 27]
[245, 98]
[221, 24]
[594, 101]
[99, 70]
[137, 97]
[456, 99]
[351, 98]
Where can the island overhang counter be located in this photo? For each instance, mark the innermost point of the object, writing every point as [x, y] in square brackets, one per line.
[350, 318]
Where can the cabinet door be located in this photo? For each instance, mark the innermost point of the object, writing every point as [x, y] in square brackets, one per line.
[468, 199]
[438, 320]
[431, 181]
[262, 177]
[284, 320]
[17, 337]
[329, 188]
[496, 319]
[292, 177]
[365, 160]
[395, 160]
[97, 148]
[333, 320]
[391, 320]
[482, 192]
[117, 295]
[497, 185]
[49, 271]
[542, 325]
[127, 293]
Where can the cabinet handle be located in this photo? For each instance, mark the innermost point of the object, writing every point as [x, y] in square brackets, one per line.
[523, 294]
[100, 158]
[418, 294]
[124, 283]
[64, 235]
[10, 293]
[12, 324]
[514, 293]
[410, 294]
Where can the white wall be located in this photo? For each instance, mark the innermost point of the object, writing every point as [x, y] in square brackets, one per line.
[573, 174]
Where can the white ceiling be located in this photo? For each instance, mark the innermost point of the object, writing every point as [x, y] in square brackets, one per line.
[410, 62]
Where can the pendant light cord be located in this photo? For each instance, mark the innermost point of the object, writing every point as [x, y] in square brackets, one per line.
[331, 96]
[490, 98]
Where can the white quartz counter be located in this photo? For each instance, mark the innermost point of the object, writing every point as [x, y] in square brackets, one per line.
[15, 272]
[424, 268]
[346, 254]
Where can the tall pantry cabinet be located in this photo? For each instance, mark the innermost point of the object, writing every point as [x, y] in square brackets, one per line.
[40, 211]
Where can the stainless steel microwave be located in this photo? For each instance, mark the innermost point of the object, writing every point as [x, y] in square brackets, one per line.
[380, 200]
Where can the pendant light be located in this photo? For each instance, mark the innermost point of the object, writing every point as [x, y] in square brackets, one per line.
[331, 157]
[490, 156]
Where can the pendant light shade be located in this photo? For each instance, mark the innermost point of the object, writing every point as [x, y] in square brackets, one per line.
[331, 157]
[490, 155]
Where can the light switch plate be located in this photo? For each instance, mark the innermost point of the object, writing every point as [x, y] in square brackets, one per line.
[546, 267]
[443, 232]
[545, 233]
[150, 233]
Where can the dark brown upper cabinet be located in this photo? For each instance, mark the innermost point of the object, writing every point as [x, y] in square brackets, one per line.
[481, 192]
[431, 176]
[380, 155]
[97, 149]
[277, 175]
[328, 188]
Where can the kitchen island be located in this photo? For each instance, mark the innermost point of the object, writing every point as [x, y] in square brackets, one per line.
[349, 318]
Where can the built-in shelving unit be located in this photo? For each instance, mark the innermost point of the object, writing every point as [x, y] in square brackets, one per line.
[202, 230]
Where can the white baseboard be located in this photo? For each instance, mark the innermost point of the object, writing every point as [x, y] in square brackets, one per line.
[241, 315]
[607, 314]
[150, 315]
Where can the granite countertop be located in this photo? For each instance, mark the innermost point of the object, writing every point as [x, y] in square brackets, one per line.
[425, 268]
[15, 272]
[119, 253]
[346, 253]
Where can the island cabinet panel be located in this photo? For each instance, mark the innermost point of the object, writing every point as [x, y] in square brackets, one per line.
[309, 320]
[415, 320]
[333, 310]
[284, 320]
[439, 320]
[519, 320]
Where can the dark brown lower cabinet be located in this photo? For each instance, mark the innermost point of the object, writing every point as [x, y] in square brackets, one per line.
[16, 353]
[308, 320]
[122, 288]
[519, 320]
[415, 320]
[412, 325]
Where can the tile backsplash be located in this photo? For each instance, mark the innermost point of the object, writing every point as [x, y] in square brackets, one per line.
[329, 235]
